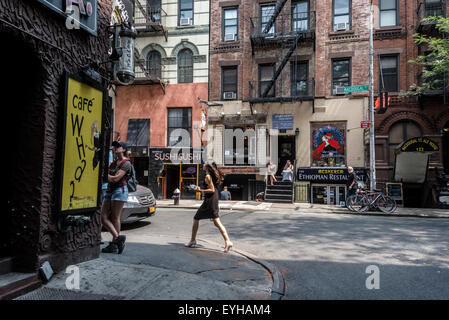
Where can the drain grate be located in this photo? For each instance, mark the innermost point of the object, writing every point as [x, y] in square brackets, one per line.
[63, 294]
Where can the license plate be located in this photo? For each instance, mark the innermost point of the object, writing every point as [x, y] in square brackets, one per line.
[152, 209]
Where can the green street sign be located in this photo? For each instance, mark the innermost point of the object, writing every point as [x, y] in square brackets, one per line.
[355, 89]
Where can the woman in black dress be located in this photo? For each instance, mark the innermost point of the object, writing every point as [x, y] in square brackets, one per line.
[209, 208]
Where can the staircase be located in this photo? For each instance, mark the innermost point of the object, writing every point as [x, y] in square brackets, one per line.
[280, 191]
[14, 284]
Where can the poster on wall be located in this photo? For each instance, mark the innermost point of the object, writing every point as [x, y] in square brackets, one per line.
[82, 141]
[328, 144]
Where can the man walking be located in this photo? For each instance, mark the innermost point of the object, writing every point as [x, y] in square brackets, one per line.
[225, 194]
[351, 184]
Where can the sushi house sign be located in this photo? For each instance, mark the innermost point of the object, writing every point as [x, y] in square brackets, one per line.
[78, 13]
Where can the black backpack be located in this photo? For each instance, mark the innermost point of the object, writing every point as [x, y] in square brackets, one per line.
[131, 180]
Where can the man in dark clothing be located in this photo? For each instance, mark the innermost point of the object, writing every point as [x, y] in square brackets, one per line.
[351, 184]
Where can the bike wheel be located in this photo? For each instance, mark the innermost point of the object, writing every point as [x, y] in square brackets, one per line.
[386, 204]
[358, 203]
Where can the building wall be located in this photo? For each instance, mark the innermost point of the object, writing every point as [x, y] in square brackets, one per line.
[37, 153]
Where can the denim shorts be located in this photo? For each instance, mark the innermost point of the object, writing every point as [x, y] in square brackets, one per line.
[118, 194]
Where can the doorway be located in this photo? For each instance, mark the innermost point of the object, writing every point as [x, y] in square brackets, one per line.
[286, 151]
[445, 145]
[141, 165]
[24, 146]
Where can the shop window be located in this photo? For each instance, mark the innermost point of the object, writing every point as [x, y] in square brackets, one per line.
[229, 82]
[328, 144]
[230, 24]
[300, 15]
[240, 146]
[154, 64]
[185, 66]
[179, 129]
[342, 15]
[399, 132]
[388, 13]
[388, 73]
[299, 78]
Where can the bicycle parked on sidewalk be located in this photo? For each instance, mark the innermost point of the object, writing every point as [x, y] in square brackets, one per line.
[367, 199]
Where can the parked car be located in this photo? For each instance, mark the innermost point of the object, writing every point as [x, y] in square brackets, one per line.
[141, 204]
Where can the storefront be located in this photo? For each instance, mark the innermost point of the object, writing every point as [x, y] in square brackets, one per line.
[327, 185]
[175, 170]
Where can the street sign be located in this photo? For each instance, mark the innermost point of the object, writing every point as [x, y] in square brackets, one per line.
[355, 89]
[364, 124]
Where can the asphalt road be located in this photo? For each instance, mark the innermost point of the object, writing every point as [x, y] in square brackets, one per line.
[328, 256]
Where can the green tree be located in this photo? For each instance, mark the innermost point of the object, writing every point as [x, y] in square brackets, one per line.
[435, 62]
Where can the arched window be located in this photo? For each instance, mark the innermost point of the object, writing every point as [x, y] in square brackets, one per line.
[399, 132]
[154, 64]
[185, 66]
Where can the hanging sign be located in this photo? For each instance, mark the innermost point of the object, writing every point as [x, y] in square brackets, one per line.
[82, 147]
[78, 13]
[419, 144]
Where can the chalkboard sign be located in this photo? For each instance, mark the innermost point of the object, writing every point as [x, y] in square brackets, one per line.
[394, 190]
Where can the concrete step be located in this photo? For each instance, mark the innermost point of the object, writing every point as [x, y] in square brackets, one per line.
[14, 284]
[278, 196]
[280, 200]
[5, 265]
[279, 191]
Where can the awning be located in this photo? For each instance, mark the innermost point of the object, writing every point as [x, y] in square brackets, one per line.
[412, 159]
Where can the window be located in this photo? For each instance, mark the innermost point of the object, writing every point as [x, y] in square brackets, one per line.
[342, 17]
[299, 78]
[230, 24]
[388, 13]
[300, 15]
[138, 132]
[229, 82]
[433, 8]
[154, 10]
[185, 66]
[388, 72]
[154, 64]
[179, 128]
[266, 11]
[266, 72]
[399, 132]
[328, 144]
[341, 71]
[185, 12]
[240, 145]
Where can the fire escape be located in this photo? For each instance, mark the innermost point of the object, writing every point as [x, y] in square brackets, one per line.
[428, 9]
[149, 21]
[285, 33]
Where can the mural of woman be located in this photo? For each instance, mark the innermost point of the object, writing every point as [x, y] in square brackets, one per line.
[95, 140]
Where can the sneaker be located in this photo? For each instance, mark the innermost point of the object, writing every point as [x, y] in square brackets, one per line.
[120, 241]
[111, 248]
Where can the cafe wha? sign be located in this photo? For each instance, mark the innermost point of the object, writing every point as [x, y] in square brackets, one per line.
[80, 12]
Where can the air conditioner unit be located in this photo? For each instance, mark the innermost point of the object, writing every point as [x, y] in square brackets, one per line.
[341, 26]
[229, 95]
[185, 21]
[229, 37]
[338, 90]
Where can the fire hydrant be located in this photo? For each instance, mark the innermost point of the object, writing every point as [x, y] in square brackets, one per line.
[176, 196]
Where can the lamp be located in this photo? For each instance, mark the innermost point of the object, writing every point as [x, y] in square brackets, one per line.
[125, 72]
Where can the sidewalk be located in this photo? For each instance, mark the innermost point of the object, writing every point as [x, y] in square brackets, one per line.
[304, 208]
[158, 267]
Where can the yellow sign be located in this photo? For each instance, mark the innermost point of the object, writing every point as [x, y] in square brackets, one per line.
[82, 146]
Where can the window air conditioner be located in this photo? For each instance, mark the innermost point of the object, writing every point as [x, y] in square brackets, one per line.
[229, 37]
[341, 26]
[339, 90]
[185, 21]
[229, 95]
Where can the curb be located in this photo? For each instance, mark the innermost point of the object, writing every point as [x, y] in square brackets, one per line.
[278, 288]
[325, 212]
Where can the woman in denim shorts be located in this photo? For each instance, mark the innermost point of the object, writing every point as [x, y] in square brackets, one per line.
[115, 197]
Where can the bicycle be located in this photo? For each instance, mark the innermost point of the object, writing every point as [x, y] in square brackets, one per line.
[366, 199]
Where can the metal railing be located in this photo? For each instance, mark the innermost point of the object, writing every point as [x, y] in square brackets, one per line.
[284, 89]
[155, 73]
[430, 9]
[152, 19]
[285, 25]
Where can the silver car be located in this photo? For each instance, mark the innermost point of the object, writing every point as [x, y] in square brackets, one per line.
[141, 204]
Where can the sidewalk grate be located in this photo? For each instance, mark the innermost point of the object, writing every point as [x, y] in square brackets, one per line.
[62, 294]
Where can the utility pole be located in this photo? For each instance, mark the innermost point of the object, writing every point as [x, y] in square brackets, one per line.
[372, 146]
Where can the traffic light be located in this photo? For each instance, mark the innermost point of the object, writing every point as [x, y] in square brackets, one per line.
[382, 103]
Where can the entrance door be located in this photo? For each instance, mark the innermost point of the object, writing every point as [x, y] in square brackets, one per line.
[287, 151]
[141, 165]
[172, 179]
